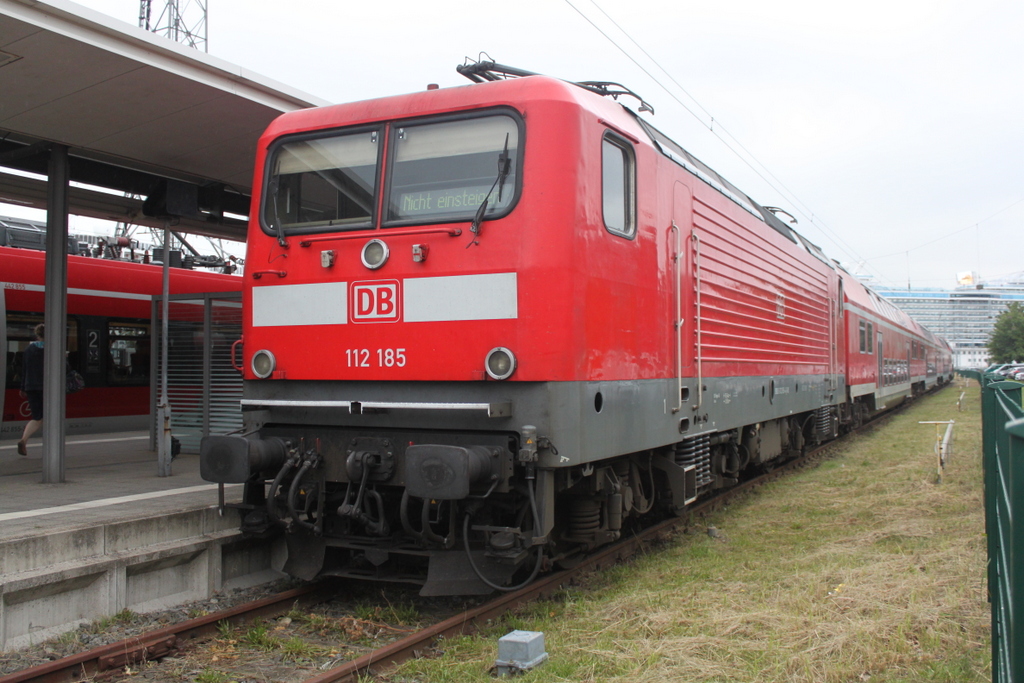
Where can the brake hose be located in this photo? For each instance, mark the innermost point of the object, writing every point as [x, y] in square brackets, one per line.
[540, 549]
[287, 467]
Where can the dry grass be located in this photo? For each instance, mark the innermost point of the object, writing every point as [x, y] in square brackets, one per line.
[862, 568]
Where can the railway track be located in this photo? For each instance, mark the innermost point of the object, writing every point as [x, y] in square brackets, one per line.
[109, 660]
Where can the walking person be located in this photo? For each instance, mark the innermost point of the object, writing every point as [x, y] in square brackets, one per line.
[32, 386]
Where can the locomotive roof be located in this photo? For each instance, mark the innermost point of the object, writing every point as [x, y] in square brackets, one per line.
[430, 102]
[488, 71]
[489, 92]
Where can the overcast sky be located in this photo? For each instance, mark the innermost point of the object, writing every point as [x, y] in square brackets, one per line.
[891, 129]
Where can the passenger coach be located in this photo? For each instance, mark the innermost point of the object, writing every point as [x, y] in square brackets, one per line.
[109, 340]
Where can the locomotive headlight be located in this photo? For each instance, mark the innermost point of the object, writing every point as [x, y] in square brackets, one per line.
[263, 363]
[500, 363]
[375, 254]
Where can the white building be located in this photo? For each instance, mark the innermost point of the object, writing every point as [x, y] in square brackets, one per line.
[964, 315]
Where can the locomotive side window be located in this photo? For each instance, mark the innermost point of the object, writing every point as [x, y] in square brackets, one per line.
[322, 182]
[618, 173]
[445, 171]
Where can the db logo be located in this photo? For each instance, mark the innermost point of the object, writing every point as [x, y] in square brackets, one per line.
[375, 302]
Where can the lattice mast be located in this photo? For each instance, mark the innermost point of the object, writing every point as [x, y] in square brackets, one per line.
[183, 21]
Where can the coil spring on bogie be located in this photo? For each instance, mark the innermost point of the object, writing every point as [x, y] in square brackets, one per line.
[696, 451]
[823, 418]
[584, 516]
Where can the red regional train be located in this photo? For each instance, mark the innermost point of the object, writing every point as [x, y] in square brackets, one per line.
[108, 334]
[486, 328]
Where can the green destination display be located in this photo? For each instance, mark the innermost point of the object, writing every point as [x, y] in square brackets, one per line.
[455, 200]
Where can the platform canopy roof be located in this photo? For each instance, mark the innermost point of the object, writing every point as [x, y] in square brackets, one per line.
[139, 113]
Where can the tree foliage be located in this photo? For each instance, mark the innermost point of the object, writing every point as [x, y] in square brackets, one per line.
[1007, 341]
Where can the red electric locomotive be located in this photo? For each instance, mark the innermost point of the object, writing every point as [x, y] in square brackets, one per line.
[108, 333]
[486, 327]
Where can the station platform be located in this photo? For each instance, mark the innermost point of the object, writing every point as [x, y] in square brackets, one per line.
[113, 536]
[108, 477]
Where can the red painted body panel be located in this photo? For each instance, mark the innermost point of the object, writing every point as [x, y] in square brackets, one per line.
[87, 403]
[553, 240]
[765, 308]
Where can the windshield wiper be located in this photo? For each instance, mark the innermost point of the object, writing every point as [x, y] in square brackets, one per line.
[504, 166]
[272, 187]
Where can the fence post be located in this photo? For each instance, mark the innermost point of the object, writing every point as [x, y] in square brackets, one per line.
[941, 445]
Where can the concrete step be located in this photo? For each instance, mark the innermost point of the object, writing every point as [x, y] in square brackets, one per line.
[53, 581]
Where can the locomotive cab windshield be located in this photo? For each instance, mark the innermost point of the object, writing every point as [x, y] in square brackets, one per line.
[322, 182]
[438, 170]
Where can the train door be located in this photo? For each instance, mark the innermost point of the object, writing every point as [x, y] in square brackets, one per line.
[910, 357]
[684, 328]
[881, 362]
[835, 305]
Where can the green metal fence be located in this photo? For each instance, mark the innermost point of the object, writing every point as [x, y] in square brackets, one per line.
[1003, 446]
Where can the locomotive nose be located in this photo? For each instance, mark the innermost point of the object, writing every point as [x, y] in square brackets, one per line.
[233, 459]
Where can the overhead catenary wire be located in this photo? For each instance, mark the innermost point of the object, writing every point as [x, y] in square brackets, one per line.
[715, 127]
[976, 225]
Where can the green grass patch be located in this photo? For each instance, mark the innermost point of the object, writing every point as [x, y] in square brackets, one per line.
[397, 615]
[123, 618]
[258, 636]
[212, 676]
[225, 629]
[296, 649]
